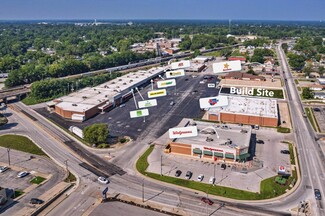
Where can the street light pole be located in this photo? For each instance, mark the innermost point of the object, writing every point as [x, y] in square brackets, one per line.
[66, 165]
[8, 151]
[143, 190]
[161, 165]
[214, 172]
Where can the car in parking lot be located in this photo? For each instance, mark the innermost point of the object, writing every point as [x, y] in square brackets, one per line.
[103, 180]
[223, 166]
[122, 105]
[212, 180]
[285, 152]
[172, 103]
[188, 175]
[35, 201]
[316, 109]
[258, 141]
[22, 174]
[318, 195]
[200, 177]
[207, 200]
[178, 173]
[3, 169]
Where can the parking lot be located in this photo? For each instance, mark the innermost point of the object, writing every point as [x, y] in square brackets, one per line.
[186, 104]
[267, 159]
[37, 166]
[320, 116]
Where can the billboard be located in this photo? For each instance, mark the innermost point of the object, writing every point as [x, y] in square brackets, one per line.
[147, 103]
[166, 83]
[139, 113]
[213, 102]
[181, 64]
[175, 73]
[157, 93]
[182, 132]
[228, 66]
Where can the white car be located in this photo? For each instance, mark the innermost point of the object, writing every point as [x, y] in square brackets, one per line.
[200, 177]
[22, 174]
[3, 169]
[212, 180]
[103, 180]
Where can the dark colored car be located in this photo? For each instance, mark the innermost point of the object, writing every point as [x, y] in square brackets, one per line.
[223, 166]
[259, 141]
[178, 173]
[318, 196]
[207, 200]
[188, 175]
[316, 109]
[285, 152]
[35, 201]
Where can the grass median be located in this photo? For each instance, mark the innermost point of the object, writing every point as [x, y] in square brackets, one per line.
[20, 143]
[37, 180]
[268, 188]
[311, 118]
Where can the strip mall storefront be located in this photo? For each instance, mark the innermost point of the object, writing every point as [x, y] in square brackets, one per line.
[213, 153]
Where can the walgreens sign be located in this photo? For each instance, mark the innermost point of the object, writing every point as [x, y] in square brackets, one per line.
[182, 132]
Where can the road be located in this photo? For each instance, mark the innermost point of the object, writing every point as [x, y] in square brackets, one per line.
[88, 191]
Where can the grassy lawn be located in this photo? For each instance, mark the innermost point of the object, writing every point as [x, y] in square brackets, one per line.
[296, 81]
[215, 53]
[283, 130]
[311, 118]
[278, 93]
[31, 100]
[269, 188]
[18, 193]
[37, 180]
[20, 143]
[70, 178]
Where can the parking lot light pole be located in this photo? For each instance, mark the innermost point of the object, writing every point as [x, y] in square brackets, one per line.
[214, 171]
[8, 152]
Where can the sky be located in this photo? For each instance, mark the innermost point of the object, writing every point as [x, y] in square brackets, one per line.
[163, 9]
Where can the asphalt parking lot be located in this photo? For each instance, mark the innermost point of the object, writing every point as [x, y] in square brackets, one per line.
[9, 179]
[267, 155]
[185, 96]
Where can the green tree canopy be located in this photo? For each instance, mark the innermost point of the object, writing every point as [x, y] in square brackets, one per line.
[96, 133]
[307, 93]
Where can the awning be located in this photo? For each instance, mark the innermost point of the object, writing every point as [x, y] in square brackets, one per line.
[207, 153]
[218, 154]
[229, 156]
[242, 156]
[197, 151]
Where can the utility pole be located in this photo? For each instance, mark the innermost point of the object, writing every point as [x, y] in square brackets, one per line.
[161, 165]
[8, 151]
[214, 172]
[207, 204]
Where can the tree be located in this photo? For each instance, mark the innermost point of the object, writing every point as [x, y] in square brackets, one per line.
[307, 70]
[321, 70]
[186, 43]
[285, 47]
[307, 93]
[96, 133]
[296, 61]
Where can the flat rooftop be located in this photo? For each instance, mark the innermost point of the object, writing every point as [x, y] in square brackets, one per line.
[249, 106]
[239, 135]
[89, 97]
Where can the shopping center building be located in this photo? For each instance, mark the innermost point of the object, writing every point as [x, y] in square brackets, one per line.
[218, 142]
[87, 102]
[246, 110]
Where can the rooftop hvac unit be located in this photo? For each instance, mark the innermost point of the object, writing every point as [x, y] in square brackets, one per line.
[98, 92]
[113, 82]
[243, 131]
[74, 105]
[84, 97]
[124, 83]
[119, 79]
[94, 89]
